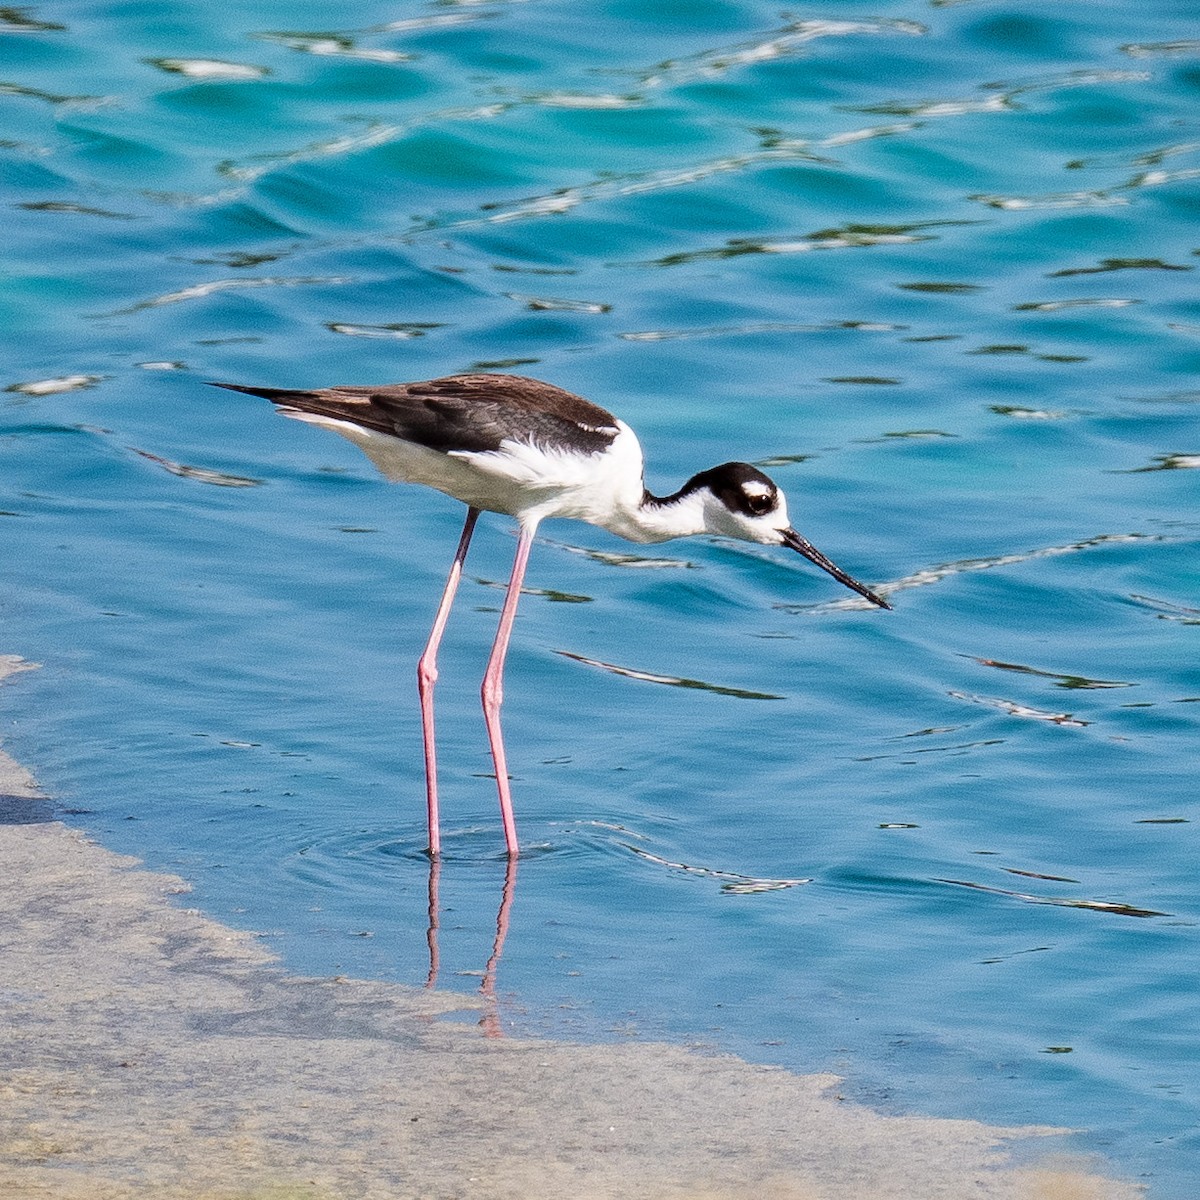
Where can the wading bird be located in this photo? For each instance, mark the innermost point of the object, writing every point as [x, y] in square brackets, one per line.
[507, 444]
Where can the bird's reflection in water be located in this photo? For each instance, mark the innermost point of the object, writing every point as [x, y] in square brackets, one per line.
[431, 936]
[490, 1021]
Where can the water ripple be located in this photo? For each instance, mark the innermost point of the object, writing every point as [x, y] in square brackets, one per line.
[18, 20]
[1001, 97]
[1167, 610]
[1060, 679]
[1015, 708]
[623, 559]
[552, 594]
[375, 133]
[83, 210]
[200, 474]
[1050, 200]
[401, 329]
[32, 93]
[1105, 906]
[558, 304]
[1096, 198]
[1180, 48]
[599, 101]
[563, 200]
[669, 680]
[853, 236]
[53, 387]
[930, 575]
[1019, 413]
[215, 69]
[331, 45]
[753, 327]
[1079, 302]
[1167, 462]
[443, 20]
[732, 883]
[1120, 264]
[199, 291]
[778, 44]
[772, 149]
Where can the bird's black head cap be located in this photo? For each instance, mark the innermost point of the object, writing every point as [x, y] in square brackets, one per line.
[739, 486]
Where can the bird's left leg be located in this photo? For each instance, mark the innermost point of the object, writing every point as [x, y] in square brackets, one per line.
[493, 684]
[427, 676]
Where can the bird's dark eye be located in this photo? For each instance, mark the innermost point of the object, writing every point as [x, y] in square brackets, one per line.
[759, 503]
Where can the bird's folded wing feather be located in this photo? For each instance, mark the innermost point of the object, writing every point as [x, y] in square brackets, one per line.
[478, 413]
[465, 414]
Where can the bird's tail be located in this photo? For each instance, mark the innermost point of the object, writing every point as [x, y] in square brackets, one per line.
[334, 407]
[293, 396]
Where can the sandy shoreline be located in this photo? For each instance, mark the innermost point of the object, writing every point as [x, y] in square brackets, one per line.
[151, 1052]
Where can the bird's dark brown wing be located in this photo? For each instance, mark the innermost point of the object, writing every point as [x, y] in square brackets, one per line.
[471, 413]
[479, 412]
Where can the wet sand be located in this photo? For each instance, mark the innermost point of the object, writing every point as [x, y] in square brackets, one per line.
[150, 1052]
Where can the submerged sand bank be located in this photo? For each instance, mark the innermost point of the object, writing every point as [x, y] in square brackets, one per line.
[150, 1052]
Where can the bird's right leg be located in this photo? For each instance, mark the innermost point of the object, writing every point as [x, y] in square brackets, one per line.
[493, 683]
[427, 676]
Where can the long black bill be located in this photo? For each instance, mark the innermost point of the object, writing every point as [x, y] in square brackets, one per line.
[804, 546]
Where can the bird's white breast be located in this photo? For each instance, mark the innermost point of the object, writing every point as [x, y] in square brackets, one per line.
[549, 481]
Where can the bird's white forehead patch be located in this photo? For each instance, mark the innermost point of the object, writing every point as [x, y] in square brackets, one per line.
[755, 489]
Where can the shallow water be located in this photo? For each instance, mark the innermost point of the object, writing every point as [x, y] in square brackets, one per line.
[932, 265]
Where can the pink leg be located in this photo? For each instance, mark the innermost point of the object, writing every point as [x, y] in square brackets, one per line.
[427, 676]
[493, 685]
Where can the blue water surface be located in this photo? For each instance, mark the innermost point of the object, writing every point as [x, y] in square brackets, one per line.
[932, 265]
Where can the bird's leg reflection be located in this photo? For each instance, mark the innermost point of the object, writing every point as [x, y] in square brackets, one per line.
[431, 935]
[490, 1021]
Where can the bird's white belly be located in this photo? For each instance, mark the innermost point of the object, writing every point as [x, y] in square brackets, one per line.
[522, 479]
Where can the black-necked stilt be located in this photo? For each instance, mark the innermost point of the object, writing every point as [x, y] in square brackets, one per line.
[507, 444]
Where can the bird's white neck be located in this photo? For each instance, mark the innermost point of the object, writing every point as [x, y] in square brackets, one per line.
[658, 519]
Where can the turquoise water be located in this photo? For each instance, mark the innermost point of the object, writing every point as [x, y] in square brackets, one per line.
[933, 265]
